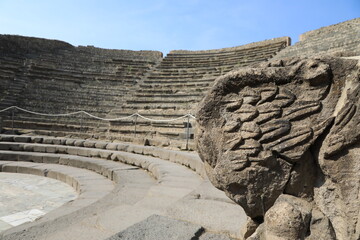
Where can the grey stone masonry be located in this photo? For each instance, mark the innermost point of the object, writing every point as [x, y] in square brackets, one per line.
[179, 82]
[341, 39]
[51, 76]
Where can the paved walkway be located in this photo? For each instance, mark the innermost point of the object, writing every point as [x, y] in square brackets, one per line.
[25, 197]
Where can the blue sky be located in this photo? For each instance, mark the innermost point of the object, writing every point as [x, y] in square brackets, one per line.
[166, 25]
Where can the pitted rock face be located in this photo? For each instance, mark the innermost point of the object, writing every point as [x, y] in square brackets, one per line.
[257, 124]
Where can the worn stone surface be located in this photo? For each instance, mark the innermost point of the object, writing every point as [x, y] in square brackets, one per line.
[287, 127]
[214, 236]
[159, 227]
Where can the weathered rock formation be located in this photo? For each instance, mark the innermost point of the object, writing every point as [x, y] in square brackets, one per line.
[281, 139]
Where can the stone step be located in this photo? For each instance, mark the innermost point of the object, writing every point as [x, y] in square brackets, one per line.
[176, 85]
[164, 101]
[237, 60]
[224, 52]
[11, 142]
[179, 81]
[172, 95]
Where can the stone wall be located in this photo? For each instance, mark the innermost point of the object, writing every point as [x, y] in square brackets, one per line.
[342, 39]
[286, 41]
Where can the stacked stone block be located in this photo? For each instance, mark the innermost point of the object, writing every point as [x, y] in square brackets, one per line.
[50, 76]
[342, 39]
[178, 83]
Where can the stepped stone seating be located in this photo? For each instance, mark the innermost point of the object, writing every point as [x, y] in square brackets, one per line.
[55, 77]
[342, 39]
[113, 190]
[51, 76]
[177, 84]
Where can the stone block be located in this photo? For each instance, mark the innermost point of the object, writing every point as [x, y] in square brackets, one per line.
[112, 146]
[160, 228]
[36, 139]
[105, 154]
[57, 141]
[72, 150]
[70, 142]
[24, 139]
[39, 148]
[84, 152]
[25, 158]
[148, 150]
[37, 158]
[123, 147]
[50, 149]
[8, 156]
[79, 143]
[101, 145]
[48, 140]
[17, 147]
[5, 146]
[89, 144]
[50, 159]
[94, 153]
[29, 147]
[30, 170]
[7, 138]
[61, 149]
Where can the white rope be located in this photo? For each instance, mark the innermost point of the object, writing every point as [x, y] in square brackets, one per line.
[165, 120]
[99, 118]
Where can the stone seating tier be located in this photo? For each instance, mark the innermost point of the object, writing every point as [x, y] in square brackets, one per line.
[92, 79]
[180, 82]
[76, 76]
[70, 160]
[340, 39]
[217, 61]
[260, 44]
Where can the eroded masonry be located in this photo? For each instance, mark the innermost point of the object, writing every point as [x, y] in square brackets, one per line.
[275, 125]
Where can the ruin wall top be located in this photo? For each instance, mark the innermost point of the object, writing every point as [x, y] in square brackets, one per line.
[128, 54]
[15, 44]
[353, 24]
[285, 40]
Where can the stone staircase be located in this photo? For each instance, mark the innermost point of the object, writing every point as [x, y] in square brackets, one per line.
[177, 84]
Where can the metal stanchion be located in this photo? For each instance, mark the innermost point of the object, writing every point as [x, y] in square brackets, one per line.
[12, 120]
[135, 122]
[81, 122]
[187, 132]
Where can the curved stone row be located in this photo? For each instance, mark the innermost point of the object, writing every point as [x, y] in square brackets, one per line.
[50, 76]
[94, 148]
[342, 39]
[177, 192]
[175, 86]
[90, 186]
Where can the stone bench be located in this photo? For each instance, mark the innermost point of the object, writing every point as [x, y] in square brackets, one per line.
[63, 145]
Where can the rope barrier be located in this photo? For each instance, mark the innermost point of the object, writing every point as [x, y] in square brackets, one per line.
[96, 117]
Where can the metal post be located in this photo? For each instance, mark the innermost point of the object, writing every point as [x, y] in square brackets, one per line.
[12, 120]
[187, 132]
[135, 121]
[81, 122]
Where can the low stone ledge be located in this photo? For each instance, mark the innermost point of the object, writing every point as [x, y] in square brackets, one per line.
[184, 158]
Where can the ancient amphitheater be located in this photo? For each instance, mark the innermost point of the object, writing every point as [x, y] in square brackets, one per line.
[121, 127]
